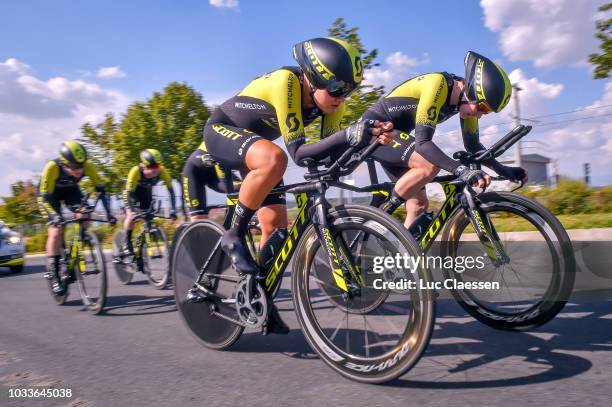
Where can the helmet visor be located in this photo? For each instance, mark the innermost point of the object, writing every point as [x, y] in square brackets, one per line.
[74, 166]
[339, 89]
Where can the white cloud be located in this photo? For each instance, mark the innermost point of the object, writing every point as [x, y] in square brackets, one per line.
[23, 94]
[548, 32]
[37, 114]
[581, 137]
[224, 3]
[110, 72]
[399, 65]
[533, 96]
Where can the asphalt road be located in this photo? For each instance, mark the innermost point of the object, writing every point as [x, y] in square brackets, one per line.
[139, 353]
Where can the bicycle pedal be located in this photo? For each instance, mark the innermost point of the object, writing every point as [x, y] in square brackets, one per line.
[195, 297]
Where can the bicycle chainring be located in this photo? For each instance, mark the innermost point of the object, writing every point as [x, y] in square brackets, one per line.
[251, 302]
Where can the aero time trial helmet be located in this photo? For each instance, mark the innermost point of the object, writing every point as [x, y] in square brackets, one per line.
[73, 154]
[485, 82]
[330, 63]
[151, 156]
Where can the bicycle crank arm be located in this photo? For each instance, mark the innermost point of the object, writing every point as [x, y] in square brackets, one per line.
[214, 312]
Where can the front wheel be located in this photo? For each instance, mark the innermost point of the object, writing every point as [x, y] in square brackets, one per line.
[124, 272]
[386, 341]
[156, 260]
[91, 274]
[537, 279]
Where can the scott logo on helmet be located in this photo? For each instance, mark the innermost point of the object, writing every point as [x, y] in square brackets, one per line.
[478, 79]
[358, 67]
[318, 65]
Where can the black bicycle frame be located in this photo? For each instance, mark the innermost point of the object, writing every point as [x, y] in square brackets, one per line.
[311, 208]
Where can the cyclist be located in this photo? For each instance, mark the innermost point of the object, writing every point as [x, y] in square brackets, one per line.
[139, 191]
[201, 170]
[422, 102]
[240, 132]
[59, 182]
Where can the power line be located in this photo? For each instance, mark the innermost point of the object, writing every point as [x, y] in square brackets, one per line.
[571, 120]
[556, 114]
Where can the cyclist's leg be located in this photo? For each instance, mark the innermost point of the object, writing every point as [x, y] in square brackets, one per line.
[410, 171]
[53, 243]
[272, 215]
[412, 185]
[196, 176]
[233, 147]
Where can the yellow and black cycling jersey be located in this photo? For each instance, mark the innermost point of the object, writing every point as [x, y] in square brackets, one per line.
[269, 107]
[419, 104]
[139, 188]
[57, 185]
[54, 177]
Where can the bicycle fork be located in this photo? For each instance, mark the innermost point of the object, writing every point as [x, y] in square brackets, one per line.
[340, 261]
[484, 230]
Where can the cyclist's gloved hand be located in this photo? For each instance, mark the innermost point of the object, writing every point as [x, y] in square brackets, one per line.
[468, 175]
[173, 215]
[112, 220]
[56, 220]
[358, 134]
[512, 173]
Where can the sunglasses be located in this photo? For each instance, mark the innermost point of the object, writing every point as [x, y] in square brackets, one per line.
[153, 166]
[483, 108]
[74, 166]
[339, 89]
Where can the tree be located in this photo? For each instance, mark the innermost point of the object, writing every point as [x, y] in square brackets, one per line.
[21, 206]
[171, 121]
[603, 60]
[98, 141]
[365, 95]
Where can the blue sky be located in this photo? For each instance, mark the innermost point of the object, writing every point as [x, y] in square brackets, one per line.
[57, 50]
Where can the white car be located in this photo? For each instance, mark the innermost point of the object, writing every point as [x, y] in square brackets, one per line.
[12, 249]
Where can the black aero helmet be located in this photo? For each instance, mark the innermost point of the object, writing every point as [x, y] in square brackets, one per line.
[151, 156]
[486, 82]
[330, 63]
[73, 154]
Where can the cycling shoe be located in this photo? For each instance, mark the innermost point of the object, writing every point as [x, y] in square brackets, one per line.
[236, 249]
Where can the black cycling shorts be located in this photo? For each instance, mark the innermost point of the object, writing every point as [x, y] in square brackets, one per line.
[143, 196]
[198, 173]
[393, 157]
[71, 196]
[228, 146]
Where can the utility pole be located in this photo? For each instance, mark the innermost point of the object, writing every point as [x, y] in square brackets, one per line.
[516, 121]
[587, 173]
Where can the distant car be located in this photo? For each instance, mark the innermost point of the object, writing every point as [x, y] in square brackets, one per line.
[12, 249]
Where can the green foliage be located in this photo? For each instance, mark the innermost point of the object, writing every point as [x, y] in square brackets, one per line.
[603, 59]
[171, 121]
[365, 95]
[36, 243]
[21, 206]
[98, 140]
[572, 197]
